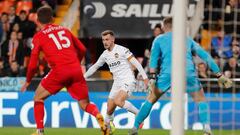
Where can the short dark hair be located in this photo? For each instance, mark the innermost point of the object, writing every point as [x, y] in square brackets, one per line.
[106, 32]
[219, 28]
[167, 22]
[159, 25]
[4, 13]
[23, 12]
[45, 14]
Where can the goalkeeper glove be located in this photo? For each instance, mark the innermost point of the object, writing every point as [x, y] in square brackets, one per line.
[151, 82]
[225, 82]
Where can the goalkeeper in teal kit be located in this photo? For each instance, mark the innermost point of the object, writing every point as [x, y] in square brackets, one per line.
[161, 51]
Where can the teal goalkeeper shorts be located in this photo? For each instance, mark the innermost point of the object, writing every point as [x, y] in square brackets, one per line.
[163, 83]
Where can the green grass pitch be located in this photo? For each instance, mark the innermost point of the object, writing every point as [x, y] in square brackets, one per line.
[90, 131]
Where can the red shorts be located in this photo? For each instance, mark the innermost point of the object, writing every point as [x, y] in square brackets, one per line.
[70, 77]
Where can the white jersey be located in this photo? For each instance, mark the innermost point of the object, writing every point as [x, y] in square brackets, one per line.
[118, 63]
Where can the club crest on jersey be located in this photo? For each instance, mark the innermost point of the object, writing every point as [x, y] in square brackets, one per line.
[116, 55]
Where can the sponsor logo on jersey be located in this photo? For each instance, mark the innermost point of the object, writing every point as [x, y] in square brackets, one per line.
[116, 55]
[114, 64]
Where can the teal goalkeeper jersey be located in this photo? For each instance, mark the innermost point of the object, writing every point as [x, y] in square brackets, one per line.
[162, 51]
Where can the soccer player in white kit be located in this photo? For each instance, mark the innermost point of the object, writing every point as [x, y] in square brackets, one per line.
[119, 60]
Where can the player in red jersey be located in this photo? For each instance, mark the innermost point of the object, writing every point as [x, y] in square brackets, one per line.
[63, 52]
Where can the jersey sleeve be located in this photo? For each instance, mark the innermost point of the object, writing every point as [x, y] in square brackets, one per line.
[197, 49]
[32, 66]
[95, 66]
[81, 49]
[100, 60]
[126, 53]
[155, 53]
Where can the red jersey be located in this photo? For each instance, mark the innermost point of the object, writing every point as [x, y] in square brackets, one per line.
[59, 46]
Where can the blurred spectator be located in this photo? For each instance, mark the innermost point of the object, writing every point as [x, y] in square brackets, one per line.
[3, 71]
[202, 70]
[13, 18]
[15, 27]
[26, 27]
[233, 3]
[218, 61]
[231, 68]
[39, 3]
[145, 62]
[12, 47]
[20, 35]
[20, 54]
[14, 69]
[221, 45]
[156, 31]
[236, 49]
[5, 26]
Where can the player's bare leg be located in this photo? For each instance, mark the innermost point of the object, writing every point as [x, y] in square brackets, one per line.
[203, 110]
[154, 95]
[93, 110]
[121, 101]
[111, 106]
[145, 110]
[40, 95]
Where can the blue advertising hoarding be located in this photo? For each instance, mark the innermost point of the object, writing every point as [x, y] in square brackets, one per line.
[16, 109]
[11, 83]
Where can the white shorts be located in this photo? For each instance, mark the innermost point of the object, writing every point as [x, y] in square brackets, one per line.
[127, 86]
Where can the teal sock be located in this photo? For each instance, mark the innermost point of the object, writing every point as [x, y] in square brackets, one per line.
[203, 112]
[143, 113]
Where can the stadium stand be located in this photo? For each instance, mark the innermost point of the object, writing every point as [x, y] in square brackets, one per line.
[6, 5]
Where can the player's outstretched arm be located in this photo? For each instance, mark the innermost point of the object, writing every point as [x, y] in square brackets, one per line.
[223, 81]
[207, 58]
[32, 66]
[91, 70]
[94, 67]
[140, 69]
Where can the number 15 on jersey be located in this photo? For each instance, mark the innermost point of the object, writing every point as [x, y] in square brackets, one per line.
[62, 39]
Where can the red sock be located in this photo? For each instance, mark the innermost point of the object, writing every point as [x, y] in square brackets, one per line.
[92, 109]
[39, 114]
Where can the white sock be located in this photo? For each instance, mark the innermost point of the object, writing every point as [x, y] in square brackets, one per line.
[109, 118]
[207, 128]
[130, 107]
